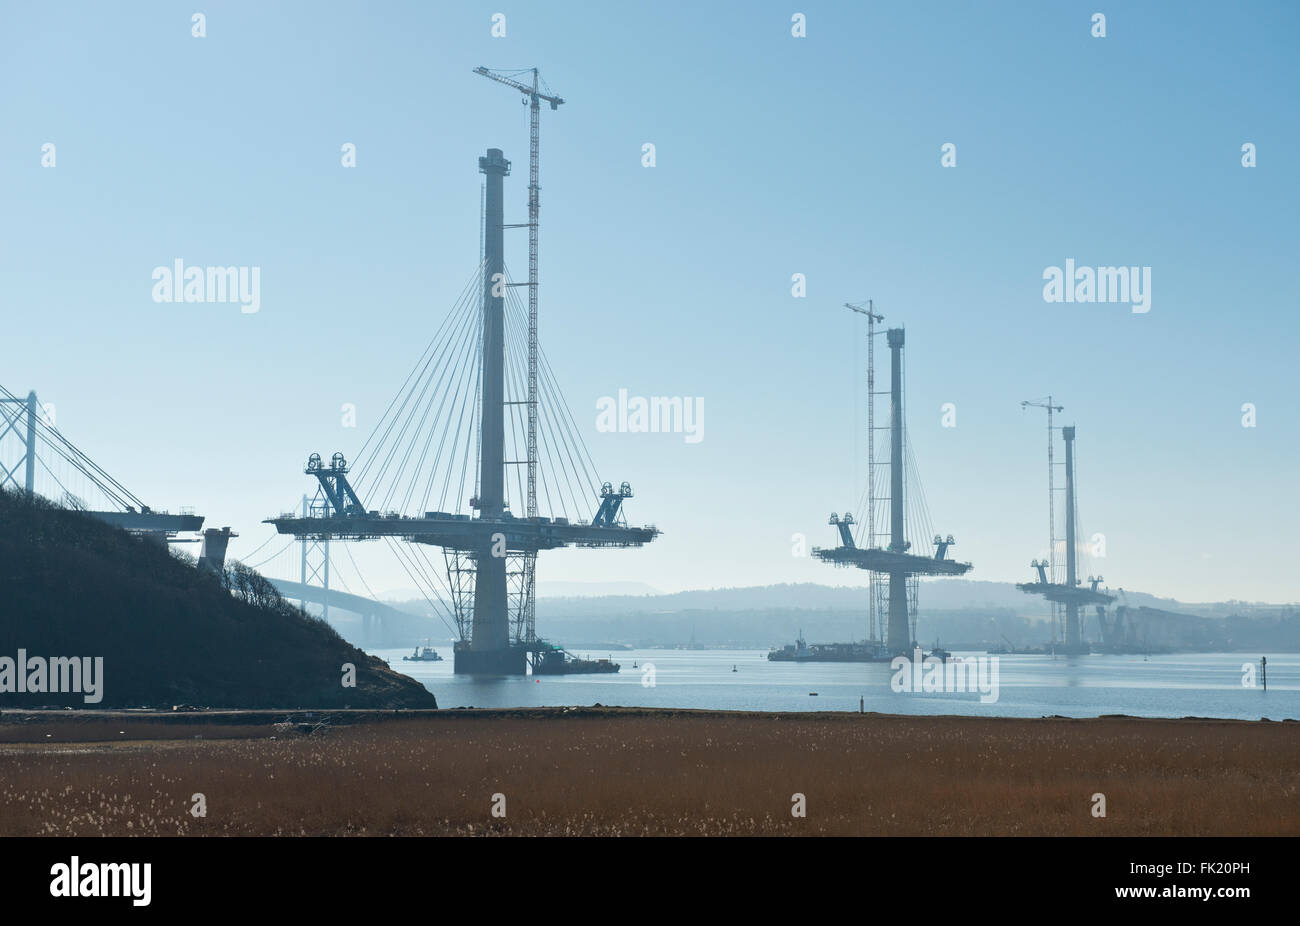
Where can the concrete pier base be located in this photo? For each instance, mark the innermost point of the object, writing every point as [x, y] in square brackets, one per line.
[509, 661]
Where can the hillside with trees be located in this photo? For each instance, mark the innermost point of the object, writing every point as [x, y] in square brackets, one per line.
[168, 633]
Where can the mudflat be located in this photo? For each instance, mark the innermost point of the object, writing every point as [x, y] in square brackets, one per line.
[634, 771]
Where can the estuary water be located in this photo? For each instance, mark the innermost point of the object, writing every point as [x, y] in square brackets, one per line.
[1185, 685]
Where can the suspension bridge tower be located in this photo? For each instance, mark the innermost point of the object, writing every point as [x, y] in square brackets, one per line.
[895, 569]
[1070, 594]
[459, 405]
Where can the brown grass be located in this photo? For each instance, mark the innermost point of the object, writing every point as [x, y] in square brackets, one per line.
[629, 771]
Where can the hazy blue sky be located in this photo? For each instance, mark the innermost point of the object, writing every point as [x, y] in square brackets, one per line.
[775, 155]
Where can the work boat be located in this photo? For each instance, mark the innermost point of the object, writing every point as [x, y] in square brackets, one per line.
[423, 654]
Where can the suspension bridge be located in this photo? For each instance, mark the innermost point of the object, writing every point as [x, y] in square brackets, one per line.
[37, 459]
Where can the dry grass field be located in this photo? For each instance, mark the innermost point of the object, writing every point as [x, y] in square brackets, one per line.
[611, 771]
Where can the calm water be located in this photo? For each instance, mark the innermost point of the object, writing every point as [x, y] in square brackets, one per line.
[1200, 685]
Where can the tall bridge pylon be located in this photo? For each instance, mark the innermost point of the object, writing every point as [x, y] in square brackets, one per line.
[1071, 594]
[895, 570]
[454, 438]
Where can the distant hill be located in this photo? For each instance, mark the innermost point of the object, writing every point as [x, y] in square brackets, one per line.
[957, 612]
[940, 595]
[71, 586]
[593, 589]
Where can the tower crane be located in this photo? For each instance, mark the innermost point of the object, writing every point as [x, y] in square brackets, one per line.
[532, 99]
[874, 591]
[1051, 479]
[869, 310]
[1050, 562]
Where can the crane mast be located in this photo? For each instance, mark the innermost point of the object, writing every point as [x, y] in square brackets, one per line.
[874, 591]
[1051, 500]
[532, 97]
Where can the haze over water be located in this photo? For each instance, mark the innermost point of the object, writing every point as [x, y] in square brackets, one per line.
[1181, 685]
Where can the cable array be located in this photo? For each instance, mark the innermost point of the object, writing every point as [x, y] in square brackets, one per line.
[423, 454]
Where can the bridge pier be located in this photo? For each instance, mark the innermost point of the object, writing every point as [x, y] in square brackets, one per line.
[212, 556]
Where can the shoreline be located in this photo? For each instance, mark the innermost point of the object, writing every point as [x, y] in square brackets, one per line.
[89, 726]
[16, 722]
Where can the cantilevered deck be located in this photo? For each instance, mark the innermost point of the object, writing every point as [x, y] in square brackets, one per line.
[878, 560]
[1065, 594]
[461, 532]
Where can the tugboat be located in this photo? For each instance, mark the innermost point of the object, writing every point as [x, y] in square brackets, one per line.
[424, 653]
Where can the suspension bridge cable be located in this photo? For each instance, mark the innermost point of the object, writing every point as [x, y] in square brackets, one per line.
[348, 550]
[457, 319]
[447, 400]
[439, 372]
[451, 403]
[470, 444]
[592, 475]
[255, 550]
[420, 364]
[454, 433]
[577, 453]
[259, 565]
[434, 601]
[460, 378]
